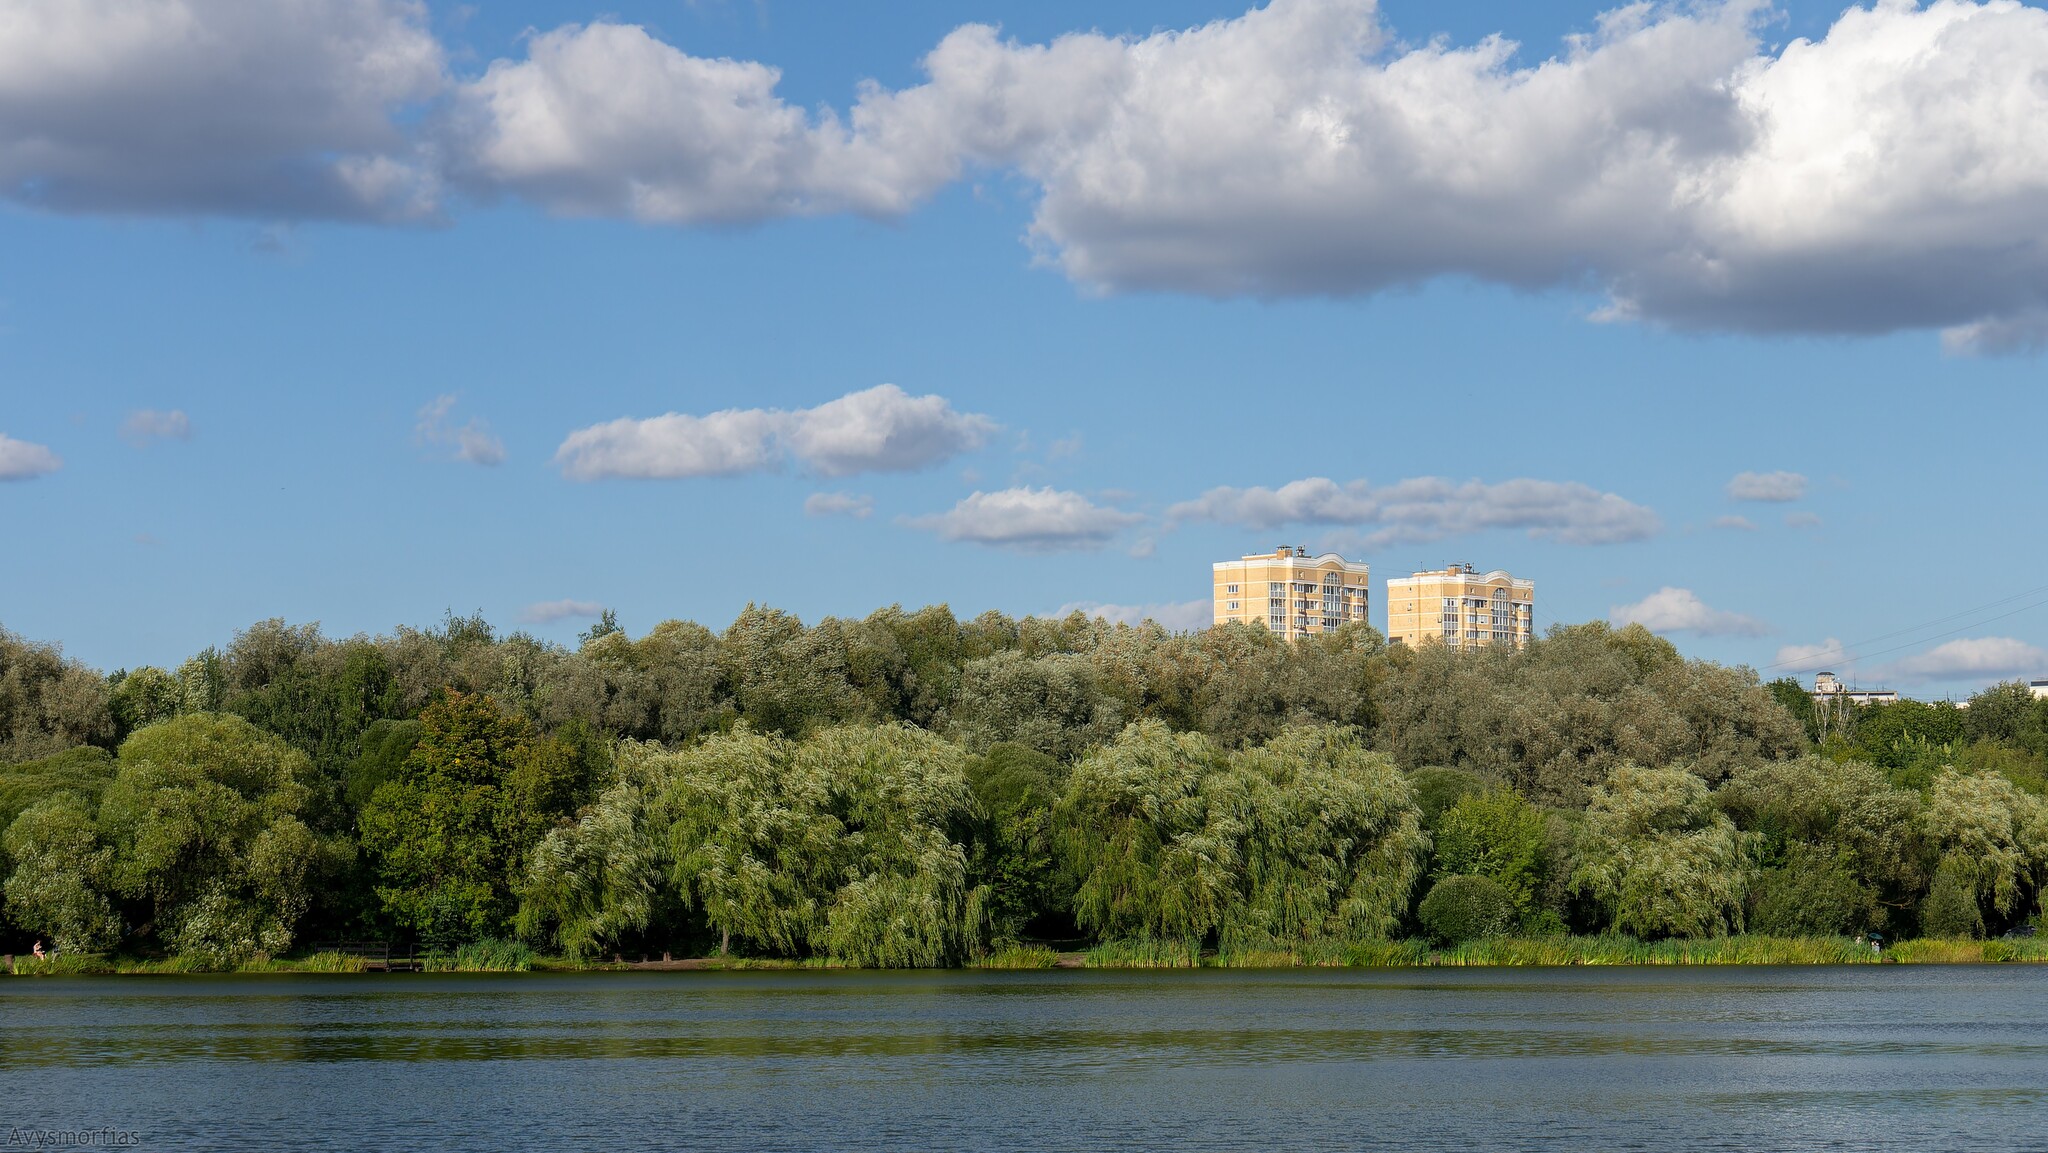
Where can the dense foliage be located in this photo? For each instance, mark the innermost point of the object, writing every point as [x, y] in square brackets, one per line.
[915, 789]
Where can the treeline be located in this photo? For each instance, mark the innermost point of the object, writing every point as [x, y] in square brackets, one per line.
[913, 789]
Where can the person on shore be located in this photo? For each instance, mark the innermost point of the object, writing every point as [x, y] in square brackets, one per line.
[39, 949]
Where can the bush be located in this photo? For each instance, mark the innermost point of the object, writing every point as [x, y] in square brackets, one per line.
[1462, 909]
[1814, 894]
[1951, 908]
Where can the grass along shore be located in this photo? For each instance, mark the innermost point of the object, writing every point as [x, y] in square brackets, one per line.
[1535, 952]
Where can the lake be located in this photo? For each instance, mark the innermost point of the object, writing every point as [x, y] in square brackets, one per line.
[1866, 1057]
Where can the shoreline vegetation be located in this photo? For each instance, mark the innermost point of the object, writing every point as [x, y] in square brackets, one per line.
[913, 790]
[1503, 952]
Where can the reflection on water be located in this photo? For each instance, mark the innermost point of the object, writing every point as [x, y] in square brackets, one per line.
[1849, 1058]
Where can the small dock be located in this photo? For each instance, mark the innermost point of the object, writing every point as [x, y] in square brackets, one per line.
[377, 956]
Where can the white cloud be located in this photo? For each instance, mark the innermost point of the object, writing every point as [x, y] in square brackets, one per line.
[881, 429]
[1767, 486]
[1184, 616]
[279, 109]
[603, 119]
[1739, 523]
[472, 441]
[1886, 175]
[1431, 508]
[1880, 177]
[859, 507]
[1030, 519]
[1974, 658]
[145, 425]
[1827, 656]
[22, 460]
[551, 612]
[1674, 610]
[1802, 520]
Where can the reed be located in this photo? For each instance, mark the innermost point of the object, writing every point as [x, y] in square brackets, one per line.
[1018, 957]
[491, 955]
[1144, 954]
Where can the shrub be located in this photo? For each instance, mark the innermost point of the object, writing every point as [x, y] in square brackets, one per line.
[1466, 908]
[1951, 908]
[1813, 893]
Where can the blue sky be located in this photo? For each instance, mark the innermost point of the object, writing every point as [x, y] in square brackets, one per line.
[223, 366]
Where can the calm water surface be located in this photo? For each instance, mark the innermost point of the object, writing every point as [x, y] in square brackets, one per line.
[1906, 1058]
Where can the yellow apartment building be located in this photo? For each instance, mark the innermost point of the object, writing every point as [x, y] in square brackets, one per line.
[1292, 593]
[1461, 608]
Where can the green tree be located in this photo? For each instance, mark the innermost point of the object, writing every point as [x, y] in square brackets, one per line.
[1498, 835]
[1992, 836]
[204, 819]
[594, 884]
[47, 703]
[1812, 891]
[1012, 852]
[846, 844]
[60, 875]
[1658, 859]
[1833, 816]
[1310, 837]
[448, 835]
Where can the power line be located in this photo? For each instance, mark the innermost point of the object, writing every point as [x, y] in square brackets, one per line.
[1841, 649]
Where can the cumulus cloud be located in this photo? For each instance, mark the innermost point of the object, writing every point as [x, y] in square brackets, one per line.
[881, 429]
[277, 109]
[1974, 658]
[859, 507]
[1885, 175]
[1767, 486]
[1676, 610]
[22, 460]
[552, 612]
[1029, 519]
[1430, 508]
[1802, 520]
[1877, 178]
[1182, 616]
[145, 425]
[1738, 523]
[472, 441]
[1828, 655]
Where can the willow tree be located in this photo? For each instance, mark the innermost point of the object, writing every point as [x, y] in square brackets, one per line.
[845, 844]
[600, 880]
[1992, 839]
[1333, 840]
[1658, 857]
[1309, 837]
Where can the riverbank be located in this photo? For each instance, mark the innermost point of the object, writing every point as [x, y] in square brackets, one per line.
[1502, 952]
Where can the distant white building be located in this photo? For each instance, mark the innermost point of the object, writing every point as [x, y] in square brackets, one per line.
[2040, 687]
[1827, 689]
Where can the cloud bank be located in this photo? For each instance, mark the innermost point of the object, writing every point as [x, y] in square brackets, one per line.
[284, 109]
[1973, 658]
[881, 429]
[1430, 508]
[1887, 175]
